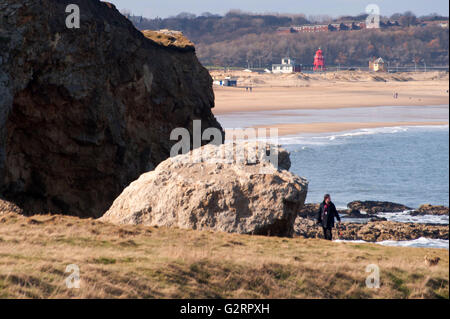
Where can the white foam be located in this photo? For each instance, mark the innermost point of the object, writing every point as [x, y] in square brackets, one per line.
[418, 243]
[323, 139]
[339, 138]
[405, 217]
[422, 242]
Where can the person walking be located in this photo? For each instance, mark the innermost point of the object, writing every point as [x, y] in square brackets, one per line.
[326, 215]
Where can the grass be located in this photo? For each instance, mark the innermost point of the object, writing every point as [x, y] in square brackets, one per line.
[142, 262]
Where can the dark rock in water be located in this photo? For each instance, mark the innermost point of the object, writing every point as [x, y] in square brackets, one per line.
[310, 211]
[373, 207]
[428, 209]
[83, 112]
[377, 219]
[373, 231]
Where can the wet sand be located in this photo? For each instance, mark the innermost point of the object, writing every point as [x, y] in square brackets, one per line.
[330, 96]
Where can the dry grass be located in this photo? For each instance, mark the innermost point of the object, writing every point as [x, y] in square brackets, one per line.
[142, 262]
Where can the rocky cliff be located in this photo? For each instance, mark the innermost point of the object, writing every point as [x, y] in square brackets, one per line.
[83, 112]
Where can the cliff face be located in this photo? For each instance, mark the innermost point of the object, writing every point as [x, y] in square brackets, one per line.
[83, 112]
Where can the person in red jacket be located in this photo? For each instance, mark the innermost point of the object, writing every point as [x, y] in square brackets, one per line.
[325, 216]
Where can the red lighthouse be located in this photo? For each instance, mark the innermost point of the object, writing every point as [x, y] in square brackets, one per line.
[319, 62]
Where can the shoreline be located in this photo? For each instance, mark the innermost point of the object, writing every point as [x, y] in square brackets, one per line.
[421, 242]
[329, 127]
[294, 129]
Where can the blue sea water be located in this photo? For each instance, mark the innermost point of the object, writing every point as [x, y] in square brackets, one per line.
[408, 165]
[403, 164]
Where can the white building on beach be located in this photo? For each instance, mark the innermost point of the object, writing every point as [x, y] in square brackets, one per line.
[287, 65]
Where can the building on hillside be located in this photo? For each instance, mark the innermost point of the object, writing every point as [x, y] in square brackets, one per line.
[389, 24]
[348, 26]
[286, 30]
[441, 23]
[287, 65]
[357, 25]
[377, 65]
[340, 26]
[311, 28]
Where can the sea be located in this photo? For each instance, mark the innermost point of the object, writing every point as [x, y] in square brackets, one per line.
[401, 164]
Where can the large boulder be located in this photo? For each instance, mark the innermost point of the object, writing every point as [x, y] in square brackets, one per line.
[211, 188]
[83, 112]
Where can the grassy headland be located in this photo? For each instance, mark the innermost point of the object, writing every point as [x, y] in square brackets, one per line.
[143, 262]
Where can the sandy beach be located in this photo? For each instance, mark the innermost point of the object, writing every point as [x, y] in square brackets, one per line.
[335, 91]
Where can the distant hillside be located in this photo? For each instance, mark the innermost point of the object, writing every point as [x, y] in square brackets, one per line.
[351, 48]
[240, 39]
[210, 28]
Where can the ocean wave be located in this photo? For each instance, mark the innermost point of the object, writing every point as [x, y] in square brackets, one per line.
[421, 242]
[326, 138]
[406, 217]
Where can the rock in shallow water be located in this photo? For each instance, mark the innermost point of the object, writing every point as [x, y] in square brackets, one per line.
[83, 112]
[200, 190]
[311, 210]
[373, 207]
[427, 209]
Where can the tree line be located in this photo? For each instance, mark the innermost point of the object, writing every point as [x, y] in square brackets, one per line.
[244, 39]
[350, 48]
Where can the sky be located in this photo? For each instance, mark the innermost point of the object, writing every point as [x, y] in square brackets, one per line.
[334, 8]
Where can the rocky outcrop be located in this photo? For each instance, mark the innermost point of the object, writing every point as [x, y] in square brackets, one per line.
[83, 112]
[428, 209]
[8, 207]
[170, 38]
[213, 188]
[310, 211]
[373, 207]
[376, 228]
[374, 231]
